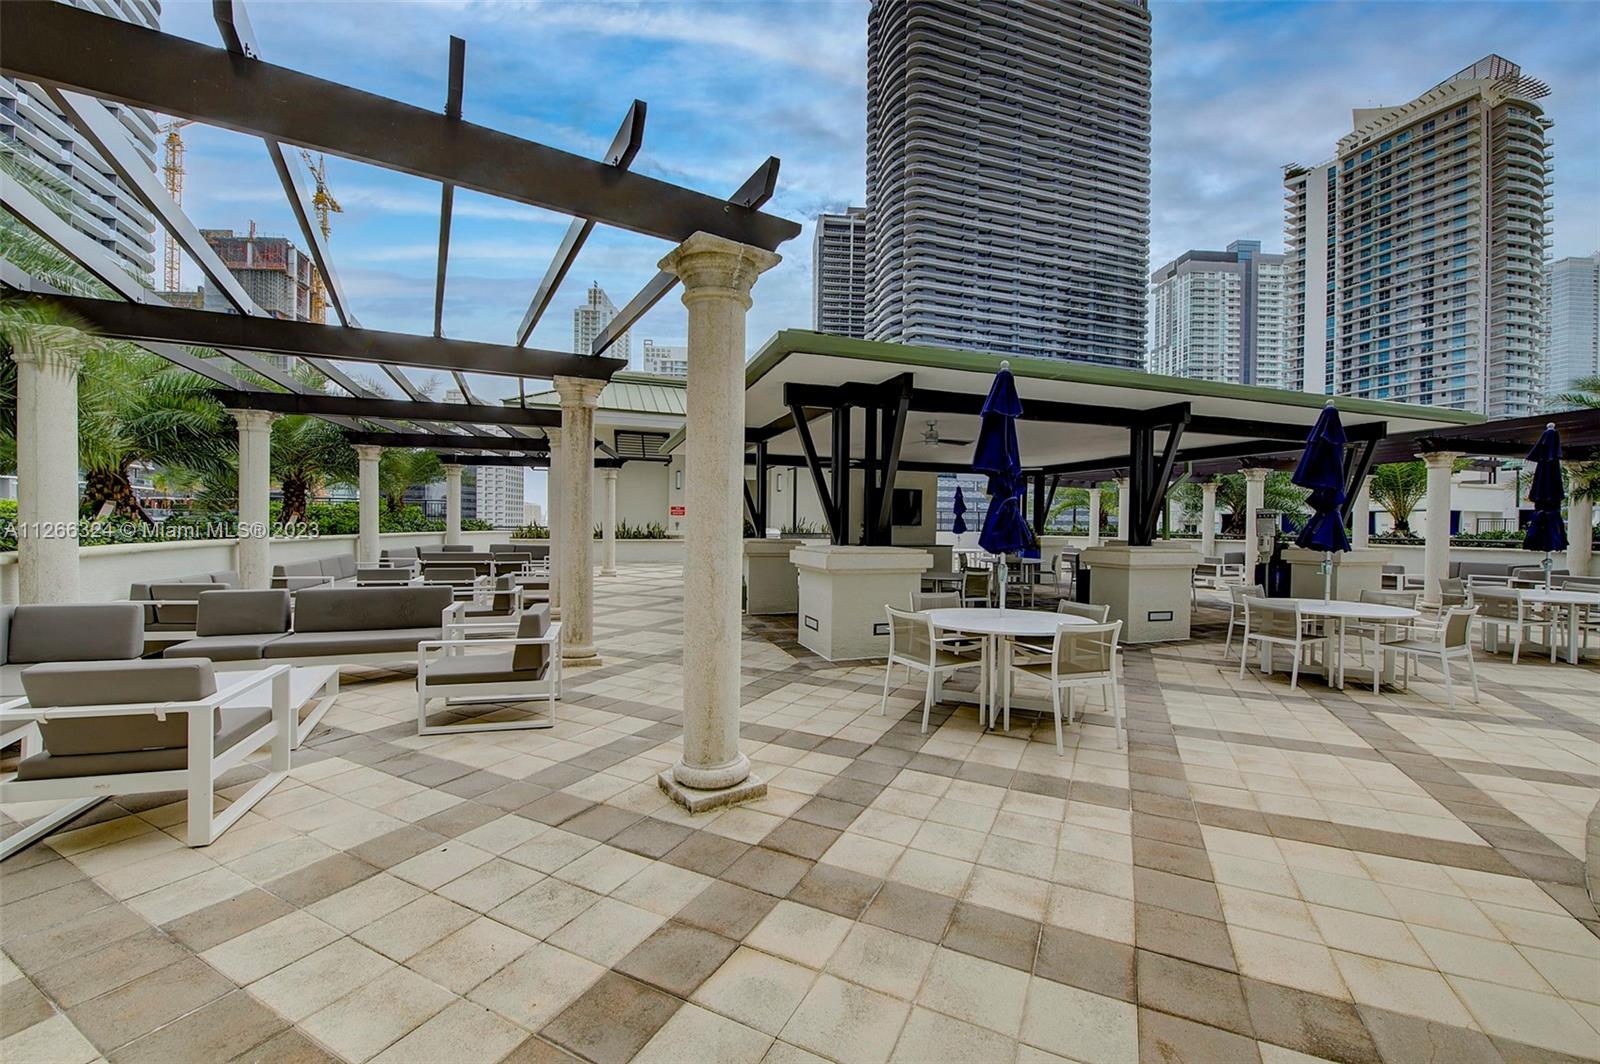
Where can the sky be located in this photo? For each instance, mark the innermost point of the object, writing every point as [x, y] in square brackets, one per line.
[1239, 90]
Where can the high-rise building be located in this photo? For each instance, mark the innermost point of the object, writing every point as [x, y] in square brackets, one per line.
[35, 134]
[499, 496]
[1574, 320]
[1008, 176]
[270, 269]
[839, 274]
[1219, 316]
[590, 319]
[664, 360]
[1416, 256]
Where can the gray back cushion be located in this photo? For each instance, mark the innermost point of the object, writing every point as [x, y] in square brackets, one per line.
[227, 578]
[457, 548]
[108, 683]
[367, 609]
[97, 631]
[535, 622]
[434, 571]
[242, 612]
[505, 593]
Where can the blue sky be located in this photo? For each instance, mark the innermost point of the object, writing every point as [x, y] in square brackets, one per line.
[1240, 89]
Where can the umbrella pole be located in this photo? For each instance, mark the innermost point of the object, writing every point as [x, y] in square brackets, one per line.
[1002, 581]
[1327, 576]
[1549, 562]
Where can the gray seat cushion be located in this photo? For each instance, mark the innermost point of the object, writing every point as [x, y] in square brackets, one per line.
[365, 609]
[481, 668]
[226, 613]
[382, 574]
[332, 644]
[107, 683]
[535, 622]
[98, 631]
[224, 647]
[233, 726]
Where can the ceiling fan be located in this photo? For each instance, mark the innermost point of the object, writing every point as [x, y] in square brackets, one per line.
[930, 438]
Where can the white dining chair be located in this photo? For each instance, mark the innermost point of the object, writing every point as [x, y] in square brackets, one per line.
[1451, 641]
[1236, 597]
[1081, 655]
[1273, 624]
[914, 644]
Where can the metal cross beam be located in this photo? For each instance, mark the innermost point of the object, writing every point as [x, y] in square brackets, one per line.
[528, 461]
[756, 191]
[624, 146]
[129, 321]
[321, 405]
[447, 192]
[1357, 464]
[830, 513]
[54, 44]
[239, 38]
[435, 440]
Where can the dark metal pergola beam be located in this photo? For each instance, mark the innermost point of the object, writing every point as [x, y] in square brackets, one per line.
[57, 45]
[529, 461]
[322, 405]
[435, 440]
[624, 147]
[754, 193]
[129, 321]
[454, 90]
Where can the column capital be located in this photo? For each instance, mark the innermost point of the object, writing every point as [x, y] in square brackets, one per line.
[1255, 474]
[579, 391]
[452, 471]
[369, 452]
[552, 433]
[58, 347]
[609, 473]
[1436, 459]
[712, 266]
[1208, 487]
[253, 419]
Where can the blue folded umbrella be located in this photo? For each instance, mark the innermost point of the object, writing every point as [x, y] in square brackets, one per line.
[1005, 528]
[960, 525]
[1547, 531]
[1321, 469]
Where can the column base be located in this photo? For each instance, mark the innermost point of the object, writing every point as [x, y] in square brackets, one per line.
[701, 801]
[580, 658]
[608, 572]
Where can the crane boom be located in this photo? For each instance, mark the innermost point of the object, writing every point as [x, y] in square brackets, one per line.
[323, 203]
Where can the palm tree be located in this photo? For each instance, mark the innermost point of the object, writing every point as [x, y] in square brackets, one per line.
[399, 470]
[1070, 500]
[1277, 493]
[307, 454]
[1398, 487]
[1583, 392]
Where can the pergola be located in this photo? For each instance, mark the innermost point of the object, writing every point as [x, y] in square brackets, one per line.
[1081, 424]
[717, 248]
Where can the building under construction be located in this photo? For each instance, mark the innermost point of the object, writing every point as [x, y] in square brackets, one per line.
[275, 273]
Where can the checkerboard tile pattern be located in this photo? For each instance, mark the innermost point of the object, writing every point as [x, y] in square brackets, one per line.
[1261, 875]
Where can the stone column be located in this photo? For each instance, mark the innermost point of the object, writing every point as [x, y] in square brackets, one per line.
[1580, 529]
[1436, 523]
[1122, 508]
[1208, 519]
[717, 276]
[608, 555]
[1361, 516]
[255, 489]
[452, 504]
[48, 358]
[555, 485]
[1094, 515]
[368, 498]
[1255, 492]
[578, 398]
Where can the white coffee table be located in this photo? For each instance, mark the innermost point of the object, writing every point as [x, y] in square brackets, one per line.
[307, 684]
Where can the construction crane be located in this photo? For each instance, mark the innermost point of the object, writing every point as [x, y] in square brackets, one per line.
[172, 170]
[324, 204]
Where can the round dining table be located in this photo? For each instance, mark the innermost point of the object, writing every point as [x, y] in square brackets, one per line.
[998, 628]
[1340, 612]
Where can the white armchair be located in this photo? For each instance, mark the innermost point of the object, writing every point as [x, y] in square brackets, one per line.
[524, 665]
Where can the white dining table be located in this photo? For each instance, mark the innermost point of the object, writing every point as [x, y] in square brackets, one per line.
[998, 628]
[1341, 612]
[1546, 596]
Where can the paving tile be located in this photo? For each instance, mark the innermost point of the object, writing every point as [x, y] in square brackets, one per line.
[146, 1003]
[975, 990]
[390, 849]
[607, 931]
[316, 881]
[929, 1036]
[317, 980]
[443, 1036]
[849, 1023]
[993, 935]
[55, 1040]
[1541, 1020]
[92, 974]
[72, 938]
[1309, 1023]
[708, 854]
[729, 910]
[534, 988]
[225, 1028]
[694, 1033]
[414, 927]
[1099, 1029]
[1183, 988]
[800, 839]
[1103, 966]
[288, 1046]
[910, 911]
[650, 838]
[364, 1023]
[755, 988]
[1401, 1037]
[800, 933]
[463, 959]
[22, 1006]
[612, 1020]
[837, 890]
[767, 870]
[1179, 1041]
[1178, 934]
[359, 905]
[677, 958]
